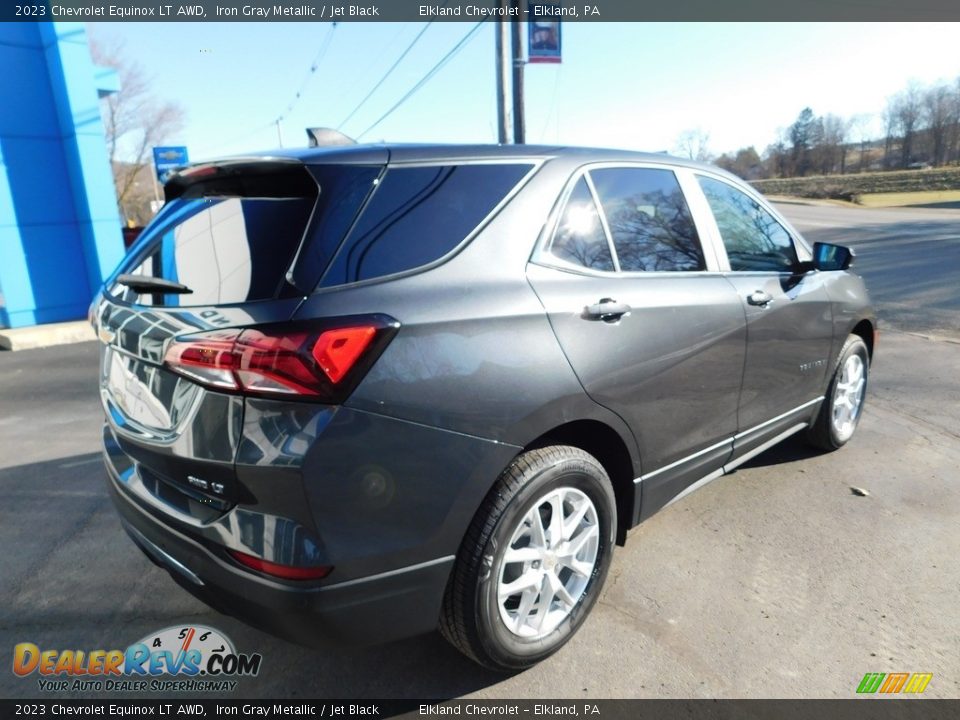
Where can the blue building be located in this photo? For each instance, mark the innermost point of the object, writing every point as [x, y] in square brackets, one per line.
[59, 226]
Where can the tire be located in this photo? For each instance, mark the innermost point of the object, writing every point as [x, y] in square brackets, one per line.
[843, 405]
[510, 631]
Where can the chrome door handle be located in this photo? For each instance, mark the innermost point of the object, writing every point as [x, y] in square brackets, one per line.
[607, 309]
[760, 298]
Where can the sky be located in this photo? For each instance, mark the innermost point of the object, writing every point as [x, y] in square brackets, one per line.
[635, 86]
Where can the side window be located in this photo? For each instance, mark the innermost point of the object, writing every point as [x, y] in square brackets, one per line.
[649, 220]
[579, 238]
[754, 240]
[419, 214]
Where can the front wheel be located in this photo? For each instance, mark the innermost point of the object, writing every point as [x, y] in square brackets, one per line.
[533, 561]
[840, 412]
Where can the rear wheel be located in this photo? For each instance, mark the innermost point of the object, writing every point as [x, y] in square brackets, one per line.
[533, 561]
[840, 412]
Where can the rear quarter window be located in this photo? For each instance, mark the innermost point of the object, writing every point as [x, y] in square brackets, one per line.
[417, 215]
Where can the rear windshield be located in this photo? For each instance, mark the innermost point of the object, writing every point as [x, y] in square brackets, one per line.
[233, 235]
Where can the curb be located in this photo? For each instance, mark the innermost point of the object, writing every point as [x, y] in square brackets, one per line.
[40, 336]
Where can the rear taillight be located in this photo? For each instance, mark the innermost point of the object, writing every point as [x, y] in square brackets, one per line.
[336, 351]
[287, 572]
[319, 362]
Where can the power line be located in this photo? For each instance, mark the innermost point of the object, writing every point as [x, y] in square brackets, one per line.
[426, 78]
[318, 58]
[385, 76]
[244, 136]
[321, 53]
[553, 104]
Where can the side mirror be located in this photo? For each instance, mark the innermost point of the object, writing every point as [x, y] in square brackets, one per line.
[832, 257]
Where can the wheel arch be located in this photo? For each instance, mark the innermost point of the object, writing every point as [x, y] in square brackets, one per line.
[867, 331]
[611, 451]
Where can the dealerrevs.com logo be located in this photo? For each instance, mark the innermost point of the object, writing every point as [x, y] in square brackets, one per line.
[188, 659]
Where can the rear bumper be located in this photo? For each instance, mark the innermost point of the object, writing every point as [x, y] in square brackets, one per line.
[383, 501]
[376, 609]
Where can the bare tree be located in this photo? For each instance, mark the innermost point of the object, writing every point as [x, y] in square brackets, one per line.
[833, 150]
[806, 134]
[134, 122]
[745, 162]
[938, 108]
[776, 157]
[692, 144]
[903, 118]
[953, 134]
[860, 132]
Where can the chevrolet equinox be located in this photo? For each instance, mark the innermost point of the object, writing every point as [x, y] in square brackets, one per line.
[364, 392]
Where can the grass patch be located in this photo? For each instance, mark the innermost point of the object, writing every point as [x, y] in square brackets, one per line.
[855, 187]
[944, 198]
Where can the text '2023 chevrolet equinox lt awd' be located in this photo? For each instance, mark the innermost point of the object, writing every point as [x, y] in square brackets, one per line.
[364, 392]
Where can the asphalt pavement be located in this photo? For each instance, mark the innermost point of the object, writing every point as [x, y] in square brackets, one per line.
[775, 581]
[909, 257]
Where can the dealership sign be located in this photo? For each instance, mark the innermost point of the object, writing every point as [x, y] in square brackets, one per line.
[168, 159]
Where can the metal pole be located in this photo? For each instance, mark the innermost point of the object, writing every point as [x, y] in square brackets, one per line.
[519, 124]
[503, 79]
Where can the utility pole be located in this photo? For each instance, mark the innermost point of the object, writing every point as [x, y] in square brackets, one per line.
[503, 79]
[519, 123]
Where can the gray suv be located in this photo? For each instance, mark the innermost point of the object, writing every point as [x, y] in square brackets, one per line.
[367, 391]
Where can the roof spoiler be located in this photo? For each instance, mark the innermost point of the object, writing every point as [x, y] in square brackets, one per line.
[242, 176]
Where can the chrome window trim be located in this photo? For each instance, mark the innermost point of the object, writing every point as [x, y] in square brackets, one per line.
[713, 250]
[542, 256]
[535, 161]
[602, 214]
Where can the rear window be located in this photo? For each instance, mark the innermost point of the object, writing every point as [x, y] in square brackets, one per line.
[417, 215]
[230, 239]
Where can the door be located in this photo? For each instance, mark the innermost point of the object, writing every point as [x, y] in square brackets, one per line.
[788, 313]
[650, 326]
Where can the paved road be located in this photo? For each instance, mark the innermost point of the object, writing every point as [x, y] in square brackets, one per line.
[909, 257]
[776, 581]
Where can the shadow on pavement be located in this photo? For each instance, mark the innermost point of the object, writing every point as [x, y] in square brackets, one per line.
[793, 449]
[952, 205]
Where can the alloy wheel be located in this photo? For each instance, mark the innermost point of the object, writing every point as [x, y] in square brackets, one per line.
[549, 562]
[848, 396]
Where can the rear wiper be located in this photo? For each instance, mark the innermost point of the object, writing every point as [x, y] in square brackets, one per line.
[144, 283]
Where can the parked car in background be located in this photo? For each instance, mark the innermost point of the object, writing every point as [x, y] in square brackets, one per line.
[365, 392]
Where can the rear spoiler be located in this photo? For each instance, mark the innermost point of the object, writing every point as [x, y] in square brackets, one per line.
[242, 177]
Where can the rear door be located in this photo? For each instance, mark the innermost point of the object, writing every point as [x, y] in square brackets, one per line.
[240, 238]
[651, 327]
